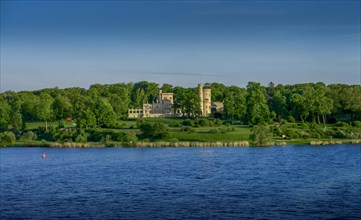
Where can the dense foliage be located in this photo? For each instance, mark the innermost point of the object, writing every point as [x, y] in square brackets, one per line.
[104, 106]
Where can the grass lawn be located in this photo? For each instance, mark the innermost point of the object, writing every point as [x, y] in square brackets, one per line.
[35, 125]
[203, 135]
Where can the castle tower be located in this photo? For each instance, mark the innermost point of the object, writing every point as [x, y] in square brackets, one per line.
[200, 93]
[206, 102]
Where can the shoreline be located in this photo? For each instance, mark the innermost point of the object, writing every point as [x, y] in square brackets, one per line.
[161, 144]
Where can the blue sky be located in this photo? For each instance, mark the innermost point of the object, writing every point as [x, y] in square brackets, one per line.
[79, 43]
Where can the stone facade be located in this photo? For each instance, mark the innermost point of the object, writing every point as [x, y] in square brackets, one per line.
[163, 107]
[205, 100]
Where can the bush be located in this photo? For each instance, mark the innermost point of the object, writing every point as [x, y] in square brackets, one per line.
[175, 124]
[188, 129]
[107, 139]
[203, 122]
[130, 137]
[261, 135]
[339, 134]
[283, 121]
[173, 140]
[292, 133]
[153, 130]
[214, 131]
[357, 124]
[28, 137]
[291, 119]
[81, 138]
[228, 122]
[342, 124]
[7, 138]
[217, 122]
[188, 122]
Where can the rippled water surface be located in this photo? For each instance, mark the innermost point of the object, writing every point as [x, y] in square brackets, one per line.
[294, 182]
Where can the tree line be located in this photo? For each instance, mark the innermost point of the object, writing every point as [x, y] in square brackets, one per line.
[103, 106]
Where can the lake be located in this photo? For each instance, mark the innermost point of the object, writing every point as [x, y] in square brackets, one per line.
[293, 182]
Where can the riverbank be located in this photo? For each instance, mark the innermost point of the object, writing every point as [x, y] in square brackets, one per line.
[181, 144]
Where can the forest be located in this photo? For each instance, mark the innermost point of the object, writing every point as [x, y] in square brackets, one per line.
[105, 107]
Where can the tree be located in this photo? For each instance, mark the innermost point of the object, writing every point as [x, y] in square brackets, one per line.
[144, 92]
[83, 114]
[352, 100]
[299, 109]
[279, 105]
[44, 108]
[119, 99]
[257, 108]
[167, 88]
[7, 138]
[261, 135]
[29, 103]
[4, 113]
[153, 130]
[16, 119]
[139, 98]
[219, 91]
[62, 107]
[104, 113]
[28, 137]
[187, 100]
[235, 106]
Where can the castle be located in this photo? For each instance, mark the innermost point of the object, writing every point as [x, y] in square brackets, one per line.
[163, 107]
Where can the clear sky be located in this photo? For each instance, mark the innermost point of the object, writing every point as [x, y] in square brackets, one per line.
[79, 43]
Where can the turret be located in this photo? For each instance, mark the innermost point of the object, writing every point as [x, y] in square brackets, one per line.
[200, 93]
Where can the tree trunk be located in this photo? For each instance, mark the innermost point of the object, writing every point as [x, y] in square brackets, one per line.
[318, 119]
[46, 125]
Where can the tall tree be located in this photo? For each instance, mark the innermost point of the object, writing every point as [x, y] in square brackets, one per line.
[104, 113]
[278, 105]
[257, 108]
[235, 106]
[44, 108]
[16, 119]
[4, 113]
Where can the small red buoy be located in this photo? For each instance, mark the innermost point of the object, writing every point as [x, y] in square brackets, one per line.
[43, 155]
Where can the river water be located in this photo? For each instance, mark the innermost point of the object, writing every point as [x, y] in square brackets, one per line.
[293, 182]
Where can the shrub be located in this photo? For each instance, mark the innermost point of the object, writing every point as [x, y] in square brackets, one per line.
[292, 133]
[153, 130]
[188, 122]
[175, 124]
[28, 137]
[7, 138]
[261, 135]
[291, 119]
[283, 121]
[229, 122]
[203, 122]
[81, 138]
[342, 124]
[107, 139]
[214, 131]
[130, 137]
[357, 124]
[217, 122]
[339, 134]
[173, 140]
[187, 128]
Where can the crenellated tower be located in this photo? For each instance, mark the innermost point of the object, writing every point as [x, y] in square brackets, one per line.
[205, 100]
